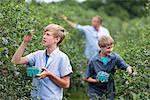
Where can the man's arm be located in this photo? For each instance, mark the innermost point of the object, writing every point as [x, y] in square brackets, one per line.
[69, 22]
[63, 82]
[17, 57]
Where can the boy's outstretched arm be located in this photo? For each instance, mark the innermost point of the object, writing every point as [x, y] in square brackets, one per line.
[63, 82]
[91, 80]
[17, 57]
[68, 21]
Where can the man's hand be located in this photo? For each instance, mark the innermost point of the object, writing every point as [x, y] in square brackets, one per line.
[72, 24]
[64, 17]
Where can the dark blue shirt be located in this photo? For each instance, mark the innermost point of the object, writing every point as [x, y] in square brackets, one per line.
[96, 64]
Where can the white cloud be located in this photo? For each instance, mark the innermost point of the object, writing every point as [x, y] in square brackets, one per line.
[80, 0]
[46, 1]
[49, 1]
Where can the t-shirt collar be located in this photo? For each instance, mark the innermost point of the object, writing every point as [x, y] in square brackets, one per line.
[110, 57]
[54, 52]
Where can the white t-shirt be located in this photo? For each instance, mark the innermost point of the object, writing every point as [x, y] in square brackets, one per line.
[58, 63]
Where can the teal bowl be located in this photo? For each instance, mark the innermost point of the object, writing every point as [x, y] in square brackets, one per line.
[33, 71]
[103, 76]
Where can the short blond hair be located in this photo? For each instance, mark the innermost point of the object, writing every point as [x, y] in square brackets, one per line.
[105, 40]
[57, 31]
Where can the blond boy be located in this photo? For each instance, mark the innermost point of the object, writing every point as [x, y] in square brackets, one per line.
[105, 61]
[54, 63]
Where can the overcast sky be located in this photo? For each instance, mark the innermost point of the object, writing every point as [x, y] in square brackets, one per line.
[48, 1]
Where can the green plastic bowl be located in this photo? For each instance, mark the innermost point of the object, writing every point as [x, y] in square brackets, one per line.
[33, 71]
[103, 76]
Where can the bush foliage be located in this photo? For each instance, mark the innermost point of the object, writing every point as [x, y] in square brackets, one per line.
[18, 18]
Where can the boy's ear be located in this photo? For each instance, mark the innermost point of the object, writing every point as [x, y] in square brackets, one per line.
[58, 39]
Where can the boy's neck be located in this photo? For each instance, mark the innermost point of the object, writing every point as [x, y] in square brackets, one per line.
[50, 50]
[102, 54]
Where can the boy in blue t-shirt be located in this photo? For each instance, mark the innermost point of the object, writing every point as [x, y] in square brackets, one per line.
[101, 68]
[55, 64]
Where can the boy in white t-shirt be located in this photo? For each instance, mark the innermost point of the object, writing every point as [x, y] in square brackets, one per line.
[54, 63]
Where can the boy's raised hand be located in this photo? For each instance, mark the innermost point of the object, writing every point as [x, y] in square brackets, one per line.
[27, 38]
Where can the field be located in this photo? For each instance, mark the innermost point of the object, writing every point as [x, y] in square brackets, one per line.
[131, 35]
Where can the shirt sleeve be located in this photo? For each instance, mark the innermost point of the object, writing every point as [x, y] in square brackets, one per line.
[65, 67]
[121, 63]
[107, 32]
[80, 28]
[90, 70]
[31, 59]
[104, 32]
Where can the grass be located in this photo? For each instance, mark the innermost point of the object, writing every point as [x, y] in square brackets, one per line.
[78, 94]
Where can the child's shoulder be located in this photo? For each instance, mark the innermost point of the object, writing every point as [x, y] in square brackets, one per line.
[94, 58]
[88, 27]
[62, 54]
[115, 54]
[39, 52]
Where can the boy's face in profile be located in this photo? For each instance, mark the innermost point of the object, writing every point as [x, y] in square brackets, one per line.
[107, 50]
[48, 39]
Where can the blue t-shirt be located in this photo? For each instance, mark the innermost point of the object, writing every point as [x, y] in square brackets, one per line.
[96, 65]
[58, 63]
[104, 60]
